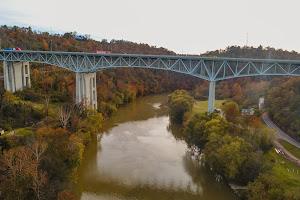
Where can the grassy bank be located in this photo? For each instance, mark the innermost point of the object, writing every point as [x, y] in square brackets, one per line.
[291, 148]
[201, 106]
[20, 131]
[286, 171]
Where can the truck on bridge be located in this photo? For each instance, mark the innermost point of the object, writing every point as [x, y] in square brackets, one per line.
[13, 49]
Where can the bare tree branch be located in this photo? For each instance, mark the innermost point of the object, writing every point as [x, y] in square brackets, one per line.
[64, 113]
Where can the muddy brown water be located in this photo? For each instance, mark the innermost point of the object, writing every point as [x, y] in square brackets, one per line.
[140, 155]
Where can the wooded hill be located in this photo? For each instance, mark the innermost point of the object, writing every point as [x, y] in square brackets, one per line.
[282, 92]
[27, 39]
[118, 86]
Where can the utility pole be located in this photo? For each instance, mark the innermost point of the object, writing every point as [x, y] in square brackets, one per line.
[51, 45]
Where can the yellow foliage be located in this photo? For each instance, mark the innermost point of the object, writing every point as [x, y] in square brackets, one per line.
[8, 96]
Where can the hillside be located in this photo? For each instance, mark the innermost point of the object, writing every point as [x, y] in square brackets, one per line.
[254, 52]
[120, 86]
[27, 39]
[115, 87]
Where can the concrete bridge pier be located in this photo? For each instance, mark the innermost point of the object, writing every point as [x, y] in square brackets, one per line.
[86, 89]
[16, 75]
[211, 96]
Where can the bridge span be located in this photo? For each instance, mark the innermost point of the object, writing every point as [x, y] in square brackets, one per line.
[17, 73]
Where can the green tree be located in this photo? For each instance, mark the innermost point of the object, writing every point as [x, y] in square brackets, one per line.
[226, 154]
[180, 102]
[265, 187]
[200, 127]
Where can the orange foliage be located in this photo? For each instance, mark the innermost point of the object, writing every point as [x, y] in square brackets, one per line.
[45, 46]
[66, 195]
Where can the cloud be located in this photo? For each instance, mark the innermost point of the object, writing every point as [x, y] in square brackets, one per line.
[11, 17]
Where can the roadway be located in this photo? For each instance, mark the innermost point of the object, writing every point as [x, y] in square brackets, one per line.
[279, 133]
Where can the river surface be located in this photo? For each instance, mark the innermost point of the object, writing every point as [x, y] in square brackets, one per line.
[140, 155]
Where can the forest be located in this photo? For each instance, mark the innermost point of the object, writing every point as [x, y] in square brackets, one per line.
[236, 147]
[45, 108]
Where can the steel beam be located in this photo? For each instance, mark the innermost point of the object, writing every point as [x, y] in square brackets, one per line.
[208, 68]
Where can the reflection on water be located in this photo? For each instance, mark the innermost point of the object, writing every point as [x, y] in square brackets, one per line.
[141, 155]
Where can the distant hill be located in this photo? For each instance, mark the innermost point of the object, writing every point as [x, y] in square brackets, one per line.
[253, 52]
[27, 39]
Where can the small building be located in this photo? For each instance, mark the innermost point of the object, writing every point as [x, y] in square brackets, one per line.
[249, 111]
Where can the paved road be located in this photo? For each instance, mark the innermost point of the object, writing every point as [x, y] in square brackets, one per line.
[279, 133]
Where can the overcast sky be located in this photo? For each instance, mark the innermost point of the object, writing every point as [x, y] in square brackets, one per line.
[185, 26]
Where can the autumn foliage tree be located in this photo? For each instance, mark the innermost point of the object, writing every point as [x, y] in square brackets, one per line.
[231, 112]
[66, 195]
[21, 176]
[283, 103]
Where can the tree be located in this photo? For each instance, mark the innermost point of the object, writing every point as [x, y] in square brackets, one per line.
[200, 127]
[21, 177]
[64, 152]
[226, 154]
[231, 112]
[237, 92]
[252, 121]
[66, 195]
[282, 104]
[180, 102]
[47, 100]
[64, 114]
[95, 119]
[265, 187]
[38, 148]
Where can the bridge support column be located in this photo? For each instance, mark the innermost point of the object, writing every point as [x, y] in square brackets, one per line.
[86, 89]
[16, 75]
[5, 76]
[211, 96]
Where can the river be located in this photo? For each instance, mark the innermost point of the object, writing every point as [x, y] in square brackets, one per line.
[140, 155]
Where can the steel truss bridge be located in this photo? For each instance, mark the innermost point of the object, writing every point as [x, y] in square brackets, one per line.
[208, 68]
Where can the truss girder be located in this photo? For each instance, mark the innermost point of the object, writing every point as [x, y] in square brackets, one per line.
[212, 69]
